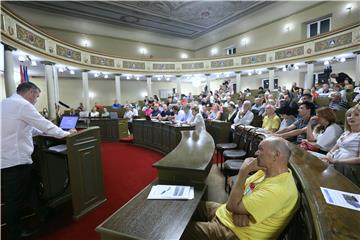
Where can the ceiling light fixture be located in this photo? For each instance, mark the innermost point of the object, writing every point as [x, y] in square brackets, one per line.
[184, 55]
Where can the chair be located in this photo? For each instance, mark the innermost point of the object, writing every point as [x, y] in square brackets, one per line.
[232, 166]
[241, 151]
[221, 147]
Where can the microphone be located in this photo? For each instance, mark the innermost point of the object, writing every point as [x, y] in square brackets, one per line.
[63, 104]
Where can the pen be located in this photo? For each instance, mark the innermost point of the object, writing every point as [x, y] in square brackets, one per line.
[165, 191]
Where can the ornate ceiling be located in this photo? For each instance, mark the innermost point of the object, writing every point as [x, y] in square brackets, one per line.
[186, 19]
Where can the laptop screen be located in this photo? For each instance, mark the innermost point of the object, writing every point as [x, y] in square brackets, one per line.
[113, 115]
[68, 122]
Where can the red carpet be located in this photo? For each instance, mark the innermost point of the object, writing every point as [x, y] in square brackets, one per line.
[127, 170]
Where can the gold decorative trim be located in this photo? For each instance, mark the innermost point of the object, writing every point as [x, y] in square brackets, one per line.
[189, 66]
[288, 53]
[253, 59]
[333, 42]
[222, 63]
[133, 65]
[68, 53]
[163, 66]
[102, 61]
[29, 37]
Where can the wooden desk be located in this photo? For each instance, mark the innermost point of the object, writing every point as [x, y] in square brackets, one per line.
[321, 220]
[140, 218]
[190, 162]
[219, 130]
[157, 135]
[150, 219]
[80, 167]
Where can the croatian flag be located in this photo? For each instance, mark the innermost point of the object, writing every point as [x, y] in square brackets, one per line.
[24, 77]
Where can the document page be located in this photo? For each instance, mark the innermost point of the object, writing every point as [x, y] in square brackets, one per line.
[171, 192]
[58, 148]
[342, 199]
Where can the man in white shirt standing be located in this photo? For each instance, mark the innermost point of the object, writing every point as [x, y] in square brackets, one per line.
[20, 121]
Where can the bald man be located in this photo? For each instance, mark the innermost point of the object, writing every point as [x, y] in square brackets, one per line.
[259, 206]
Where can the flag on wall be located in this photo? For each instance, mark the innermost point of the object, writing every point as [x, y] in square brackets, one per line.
[24, 77]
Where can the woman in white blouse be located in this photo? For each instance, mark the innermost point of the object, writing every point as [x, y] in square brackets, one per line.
[347, 147]
[197, 119]
[325, 133]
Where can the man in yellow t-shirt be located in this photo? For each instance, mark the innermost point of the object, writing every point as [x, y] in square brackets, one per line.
[271, 121]
[258, 207]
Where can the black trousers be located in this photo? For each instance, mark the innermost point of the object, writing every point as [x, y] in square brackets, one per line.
[18, 188]
[130, 127]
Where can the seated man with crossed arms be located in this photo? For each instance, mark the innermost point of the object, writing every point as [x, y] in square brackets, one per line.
[259, 206]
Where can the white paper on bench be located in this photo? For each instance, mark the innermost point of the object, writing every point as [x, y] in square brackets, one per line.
[341, 199]
[58, 148]
[171, 192]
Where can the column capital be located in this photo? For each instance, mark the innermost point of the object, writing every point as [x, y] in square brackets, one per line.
[356, 52]
[178, 76]
[148, 76]
[8, 47]
[310, 62]
[47, 63]
[271, 68]
[85, 70]
[118, 74]
[238, 72]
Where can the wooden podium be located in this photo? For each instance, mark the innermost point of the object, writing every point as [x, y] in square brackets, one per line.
[79, 166]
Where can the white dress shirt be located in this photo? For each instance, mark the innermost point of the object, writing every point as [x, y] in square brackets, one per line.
[20, 121]
[198, 122]
[244, 120]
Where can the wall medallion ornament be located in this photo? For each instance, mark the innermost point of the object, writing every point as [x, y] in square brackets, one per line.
[309, 51]
[51, 50]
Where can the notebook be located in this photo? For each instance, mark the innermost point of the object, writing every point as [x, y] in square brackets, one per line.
[68, 122]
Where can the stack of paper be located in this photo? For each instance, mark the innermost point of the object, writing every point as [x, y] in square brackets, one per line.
[171, 192]
[341, 199]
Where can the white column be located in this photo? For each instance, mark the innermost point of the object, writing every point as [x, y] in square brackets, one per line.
[85, 83]
[56, 84]
[271, 79]
[208, 81]
[357, 69]
[10, 87]
[178, 84]
[148, 85]
[49, 79]
[309, 75]
[238, 81]
[118, 87]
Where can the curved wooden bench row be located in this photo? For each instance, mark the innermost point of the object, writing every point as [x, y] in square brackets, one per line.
[317, 219]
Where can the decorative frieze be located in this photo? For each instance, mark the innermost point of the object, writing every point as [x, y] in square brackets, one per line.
[333, 42]
[163, 66]
[188, 66]
[102, 61]
[68, 53]
[253, 59]
[290, 52]
[133, 65]
[29, 37]
[222, 63]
